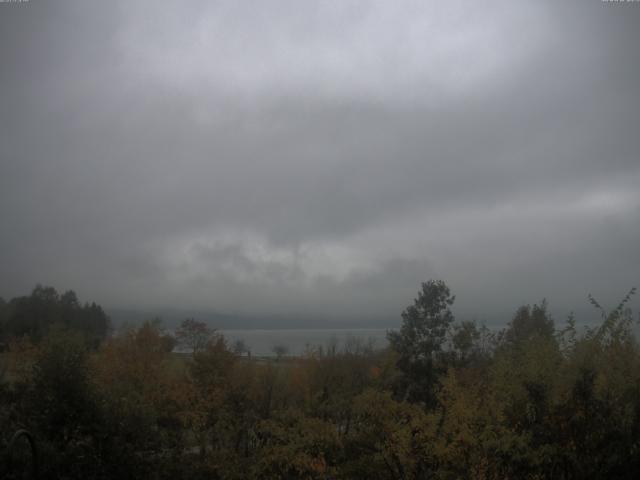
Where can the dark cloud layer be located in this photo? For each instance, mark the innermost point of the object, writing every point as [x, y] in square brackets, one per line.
[319, 160]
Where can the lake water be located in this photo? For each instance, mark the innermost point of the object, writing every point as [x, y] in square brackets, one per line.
[262, 342]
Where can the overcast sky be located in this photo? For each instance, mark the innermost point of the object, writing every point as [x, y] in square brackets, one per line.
[320, 159]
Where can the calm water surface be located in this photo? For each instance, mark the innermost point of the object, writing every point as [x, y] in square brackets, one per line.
[262, 342]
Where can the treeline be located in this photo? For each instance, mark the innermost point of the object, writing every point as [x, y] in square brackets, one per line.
[34, 315]
[446, 400]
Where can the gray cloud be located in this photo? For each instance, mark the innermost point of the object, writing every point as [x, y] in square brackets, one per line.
[322, 159]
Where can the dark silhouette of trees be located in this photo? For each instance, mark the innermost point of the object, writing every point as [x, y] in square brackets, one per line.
[446, 400]
[421, 339]
[193, 335]
[529, 322]
[34, 315]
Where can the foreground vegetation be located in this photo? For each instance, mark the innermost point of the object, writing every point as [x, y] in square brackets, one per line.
[446, 400]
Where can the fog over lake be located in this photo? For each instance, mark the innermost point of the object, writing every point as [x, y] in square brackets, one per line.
[297, 341]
